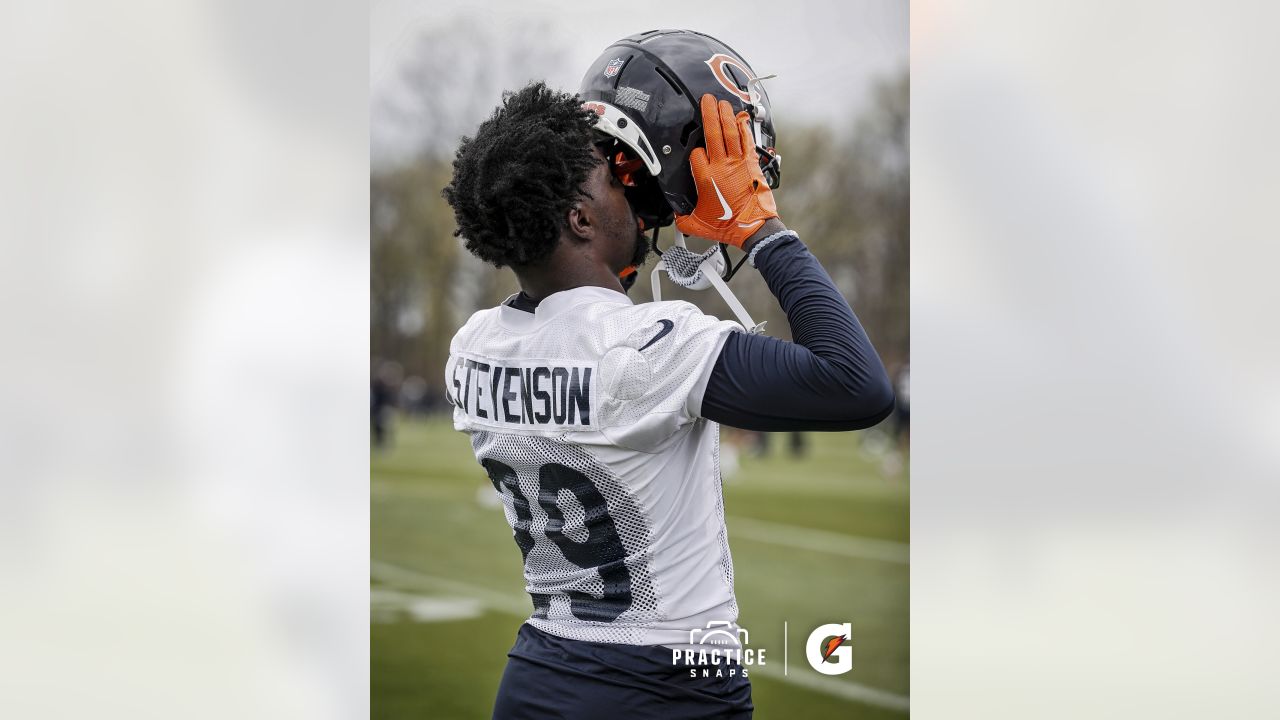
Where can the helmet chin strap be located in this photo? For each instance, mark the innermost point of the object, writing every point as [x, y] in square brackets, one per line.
[698, 272]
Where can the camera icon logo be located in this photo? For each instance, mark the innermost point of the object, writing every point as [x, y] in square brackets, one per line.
[718, 632]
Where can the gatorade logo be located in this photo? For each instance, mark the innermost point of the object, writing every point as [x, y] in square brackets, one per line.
[828, 649]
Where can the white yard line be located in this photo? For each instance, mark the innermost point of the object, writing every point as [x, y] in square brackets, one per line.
[518, 605]
[431, 492]
[513, 605]
[803, 538]
[839, 688]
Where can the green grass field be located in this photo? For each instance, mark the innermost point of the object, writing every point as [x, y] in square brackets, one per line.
[814, 541]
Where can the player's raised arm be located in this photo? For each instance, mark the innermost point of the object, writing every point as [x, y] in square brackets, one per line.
[830, 377]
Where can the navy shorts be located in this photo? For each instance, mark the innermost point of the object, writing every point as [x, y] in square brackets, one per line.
[551, 677]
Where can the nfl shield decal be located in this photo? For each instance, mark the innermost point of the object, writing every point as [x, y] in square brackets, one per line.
[613, 67]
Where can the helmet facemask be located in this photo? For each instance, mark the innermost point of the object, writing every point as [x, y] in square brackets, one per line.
[640, 186]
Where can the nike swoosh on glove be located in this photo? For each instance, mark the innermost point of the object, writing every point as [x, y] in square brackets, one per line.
[734, 199]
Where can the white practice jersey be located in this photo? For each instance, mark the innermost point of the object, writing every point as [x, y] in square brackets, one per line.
[586, 416]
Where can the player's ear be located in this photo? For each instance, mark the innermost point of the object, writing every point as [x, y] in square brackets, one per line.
[580, 221]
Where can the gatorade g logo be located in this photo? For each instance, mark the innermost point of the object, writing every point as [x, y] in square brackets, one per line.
[828, 650]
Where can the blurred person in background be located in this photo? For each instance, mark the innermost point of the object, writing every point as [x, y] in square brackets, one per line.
[383, 390]
[595, 419]
[797, 444]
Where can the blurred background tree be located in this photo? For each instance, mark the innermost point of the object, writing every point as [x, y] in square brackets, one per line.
[845, 190]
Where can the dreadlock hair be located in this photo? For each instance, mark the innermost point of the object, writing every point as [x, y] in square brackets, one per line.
[516, 179]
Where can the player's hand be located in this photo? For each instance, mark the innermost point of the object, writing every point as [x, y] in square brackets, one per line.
[734, 199]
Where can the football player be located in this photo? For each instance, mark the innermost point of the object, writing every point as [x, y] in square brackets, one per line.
[596, 419]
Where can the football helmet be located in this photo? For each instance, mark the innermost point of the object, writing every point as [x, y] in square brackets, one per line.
[645, 91]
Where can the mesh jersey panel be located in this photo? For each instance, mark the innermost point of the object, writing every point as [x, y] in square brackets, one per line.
[567, 594]
[617, 507]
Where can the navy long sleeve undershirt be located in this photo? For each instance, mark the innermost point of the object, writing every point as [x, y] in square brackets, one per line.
[828, 378]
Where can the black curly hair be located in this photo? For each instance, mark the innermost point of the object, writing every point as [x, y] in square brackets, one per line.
[515, 180]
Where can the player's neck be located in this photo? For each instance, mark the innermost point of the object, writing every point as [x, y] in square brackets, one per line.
[566, 270]
[539, 289]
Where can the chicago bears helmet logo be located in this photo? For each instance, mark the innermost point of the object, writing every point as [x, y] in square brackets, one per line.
[717, 64]
[613, 67]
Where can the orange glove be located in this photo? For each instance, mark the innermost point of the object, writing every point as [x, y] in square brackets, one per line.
[734, 199]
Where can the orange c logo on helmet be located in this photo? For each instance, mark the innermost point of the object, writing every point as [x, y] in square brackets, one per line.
[717, 63]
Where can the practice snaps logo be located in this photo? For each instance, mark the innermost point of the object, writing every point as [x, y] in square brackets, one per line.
[719, 632]
[828, 649]
[721, 651]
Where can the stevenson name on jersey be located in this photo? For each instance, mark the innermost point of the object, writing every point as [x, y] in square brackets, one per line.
[544, 394]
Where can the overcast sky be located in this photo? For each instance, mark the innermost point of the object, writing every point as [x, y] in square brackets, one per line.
[827, 54]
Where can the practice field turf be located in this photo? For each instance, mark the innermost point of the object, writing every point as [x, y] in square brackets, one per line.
[817, 540]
